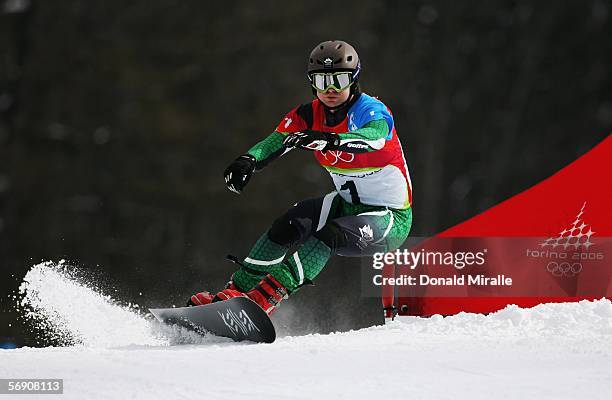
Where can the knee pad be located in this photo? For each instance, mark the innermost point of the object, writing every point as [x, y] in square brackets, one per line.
[288, 231]
[296, 224]
[333, 236]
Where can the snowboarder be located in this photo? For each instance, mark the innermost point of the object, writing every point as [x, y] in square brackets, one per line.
[353, 137]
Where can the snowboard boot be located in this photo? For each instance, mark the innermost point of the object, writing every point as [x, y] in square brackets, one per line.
[267, 294]
[199, 299]
[203, 298]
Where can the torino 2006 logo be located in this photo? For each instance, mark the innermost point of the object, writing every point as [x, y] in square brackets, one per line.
[567, 251]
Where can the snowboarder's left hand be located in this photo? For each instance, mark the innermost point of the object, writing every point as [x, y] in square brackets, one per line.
[312, 140]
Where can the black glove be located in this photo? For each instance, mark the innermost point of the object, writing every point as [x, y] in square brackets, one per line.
[239, 172]
[312, 140]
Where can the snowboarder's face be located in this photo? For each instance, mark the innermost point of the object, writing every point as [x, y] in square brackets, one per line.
[332, 98]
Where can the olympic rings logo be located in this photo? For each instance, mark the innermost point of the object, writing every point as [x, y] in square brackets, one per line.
[564, 268]
[338, 155]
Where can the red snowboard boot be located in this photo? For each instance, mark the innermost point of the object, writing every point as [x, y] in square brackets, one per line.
[267, 294]
[202, 298]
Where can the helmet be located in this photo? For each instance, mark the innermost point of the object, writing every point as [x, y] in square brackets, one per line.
[334, 55]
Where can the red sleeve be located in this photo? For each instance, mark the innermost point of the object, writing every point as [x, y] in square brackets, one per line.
[292, 122]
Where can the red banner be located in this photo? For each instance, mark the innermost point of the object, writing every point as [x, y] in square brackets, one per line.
[553, 241]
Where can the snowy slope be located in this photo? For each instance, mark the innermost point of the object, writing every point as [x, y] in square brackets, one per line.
[556, 351]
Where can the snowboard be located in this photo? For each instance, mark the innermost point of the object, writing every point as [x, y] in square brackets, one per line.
[239, 318]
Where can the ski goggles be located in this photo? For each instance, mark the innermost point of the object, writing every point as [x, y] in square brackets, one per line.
[339, 81]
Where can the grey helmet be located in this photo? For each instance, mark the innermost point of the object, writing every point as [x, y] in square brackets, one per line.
[334, 55]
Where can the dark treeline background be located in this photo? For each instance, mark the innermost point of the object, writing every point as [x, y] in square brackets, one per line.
[118, 118]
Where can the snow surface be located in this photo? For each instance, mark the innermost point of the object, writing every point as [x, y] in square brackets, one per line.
[552, 351]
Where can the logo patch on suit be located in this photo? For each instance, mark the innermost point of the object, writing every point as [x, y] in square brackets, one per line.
[366, 232]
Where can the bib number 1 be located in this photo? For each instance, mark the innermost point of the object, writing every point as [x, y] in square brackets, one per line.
[350, 186]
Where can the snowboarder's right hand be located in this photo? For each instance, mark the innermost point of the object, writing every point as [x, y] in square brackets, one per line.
[239, 172]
